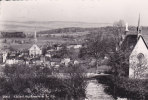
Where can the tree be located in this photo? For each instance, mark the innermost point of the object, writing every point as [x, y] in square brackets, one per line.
[37, 80]
[139, 66]
[75, 84]
[5, 40]
[119, 23]
[120, 26]
[19, 78]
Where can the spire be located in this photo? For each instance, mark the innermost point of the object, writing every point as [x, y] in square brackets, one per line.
[35, 38]
[138, 27]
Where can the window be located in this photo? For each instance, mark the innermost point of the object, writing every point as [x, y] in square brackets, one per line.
[140, 57]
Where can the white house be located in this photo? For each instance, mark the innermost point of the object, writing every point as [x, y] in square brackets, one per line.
[65, 61]
[13, 61]
[35, 50]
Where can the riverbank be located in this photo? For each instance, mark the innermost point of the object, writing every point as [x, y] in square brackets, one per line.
[132, 89]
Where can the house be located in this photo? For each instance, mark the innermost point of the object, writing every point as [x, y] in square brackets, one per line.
[65, 61]
[135, 45]
[35, 50]
[75, 46]
[55, 61]
[3, 56]
[14, 61]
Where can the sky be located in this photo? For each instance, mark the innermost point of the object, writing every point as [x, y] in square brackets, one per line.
[92, 11]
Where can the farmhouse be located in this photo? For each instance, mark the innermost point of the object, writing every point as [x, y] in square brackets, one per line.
[138, 59]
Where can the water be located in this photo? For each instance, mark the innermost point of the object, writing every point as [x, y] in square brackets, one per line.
[95, 91]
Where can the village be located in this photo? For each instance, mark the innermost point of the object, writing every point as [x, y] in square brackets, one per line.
[73, 50]
[50, 56]
[58, 57]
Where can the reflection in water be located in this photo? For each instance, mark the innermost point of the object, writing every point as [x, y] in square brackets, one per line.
[95, 91]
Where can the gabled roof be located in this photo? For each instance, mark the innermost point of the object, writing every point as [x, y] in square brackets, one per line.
[143, 40]
[141, 48]
[34, 45]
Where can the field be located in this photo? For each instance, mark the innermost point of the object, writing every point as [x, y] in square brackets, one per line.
[26, 43]
[71, 35]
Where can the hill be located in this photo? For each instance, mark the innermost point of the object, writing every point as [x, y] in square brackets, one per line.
[31, 26]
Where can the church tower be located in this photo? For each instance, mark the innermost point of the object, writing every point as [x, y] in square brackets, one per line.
[35, 37]
[35, 50]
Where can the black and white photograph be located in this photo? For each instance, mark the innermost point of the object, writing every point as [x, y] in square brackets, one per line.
[73, 49]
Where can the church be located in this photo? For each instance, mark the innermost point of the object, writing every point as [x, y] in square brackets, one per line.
[35, 50]
[138, 58]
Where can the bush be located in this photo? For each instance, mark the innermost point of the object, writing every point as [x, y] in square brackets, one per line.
[13, 34]
[37, 80]
[135, 89]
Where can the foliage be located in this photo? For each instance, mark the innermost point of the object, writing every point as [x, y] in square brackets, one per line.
[101, 42]
[119, 23]
[139, 67]
[38, 80]
[135, 89]
[105, 43]
[13, 34]
[119, 63]
[19, 78]
[98, 46]
[75, 84]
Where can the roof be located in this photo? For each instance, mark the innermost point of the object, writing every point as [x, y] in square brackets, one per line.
[144, 33]
[34, 45]
[24, 46]
[143, 40]
[131, 38]
[129, 42]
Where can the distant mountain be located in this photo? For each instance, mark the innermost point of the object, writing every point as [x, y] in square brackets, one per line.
[31, 26]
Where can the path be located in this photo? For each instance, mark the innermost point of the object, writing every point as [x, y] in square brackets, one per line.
[95, 91]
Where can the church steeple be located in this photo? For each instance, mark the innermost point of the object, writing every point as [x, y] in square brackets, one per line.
[35, 37]
[139, 30]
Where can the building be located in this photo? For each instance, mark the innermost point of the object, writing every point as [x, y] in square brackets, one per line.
[14, 61]
[135, 45]
[138, 60]
[3, 56]
[35, 50]
[65, 61]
